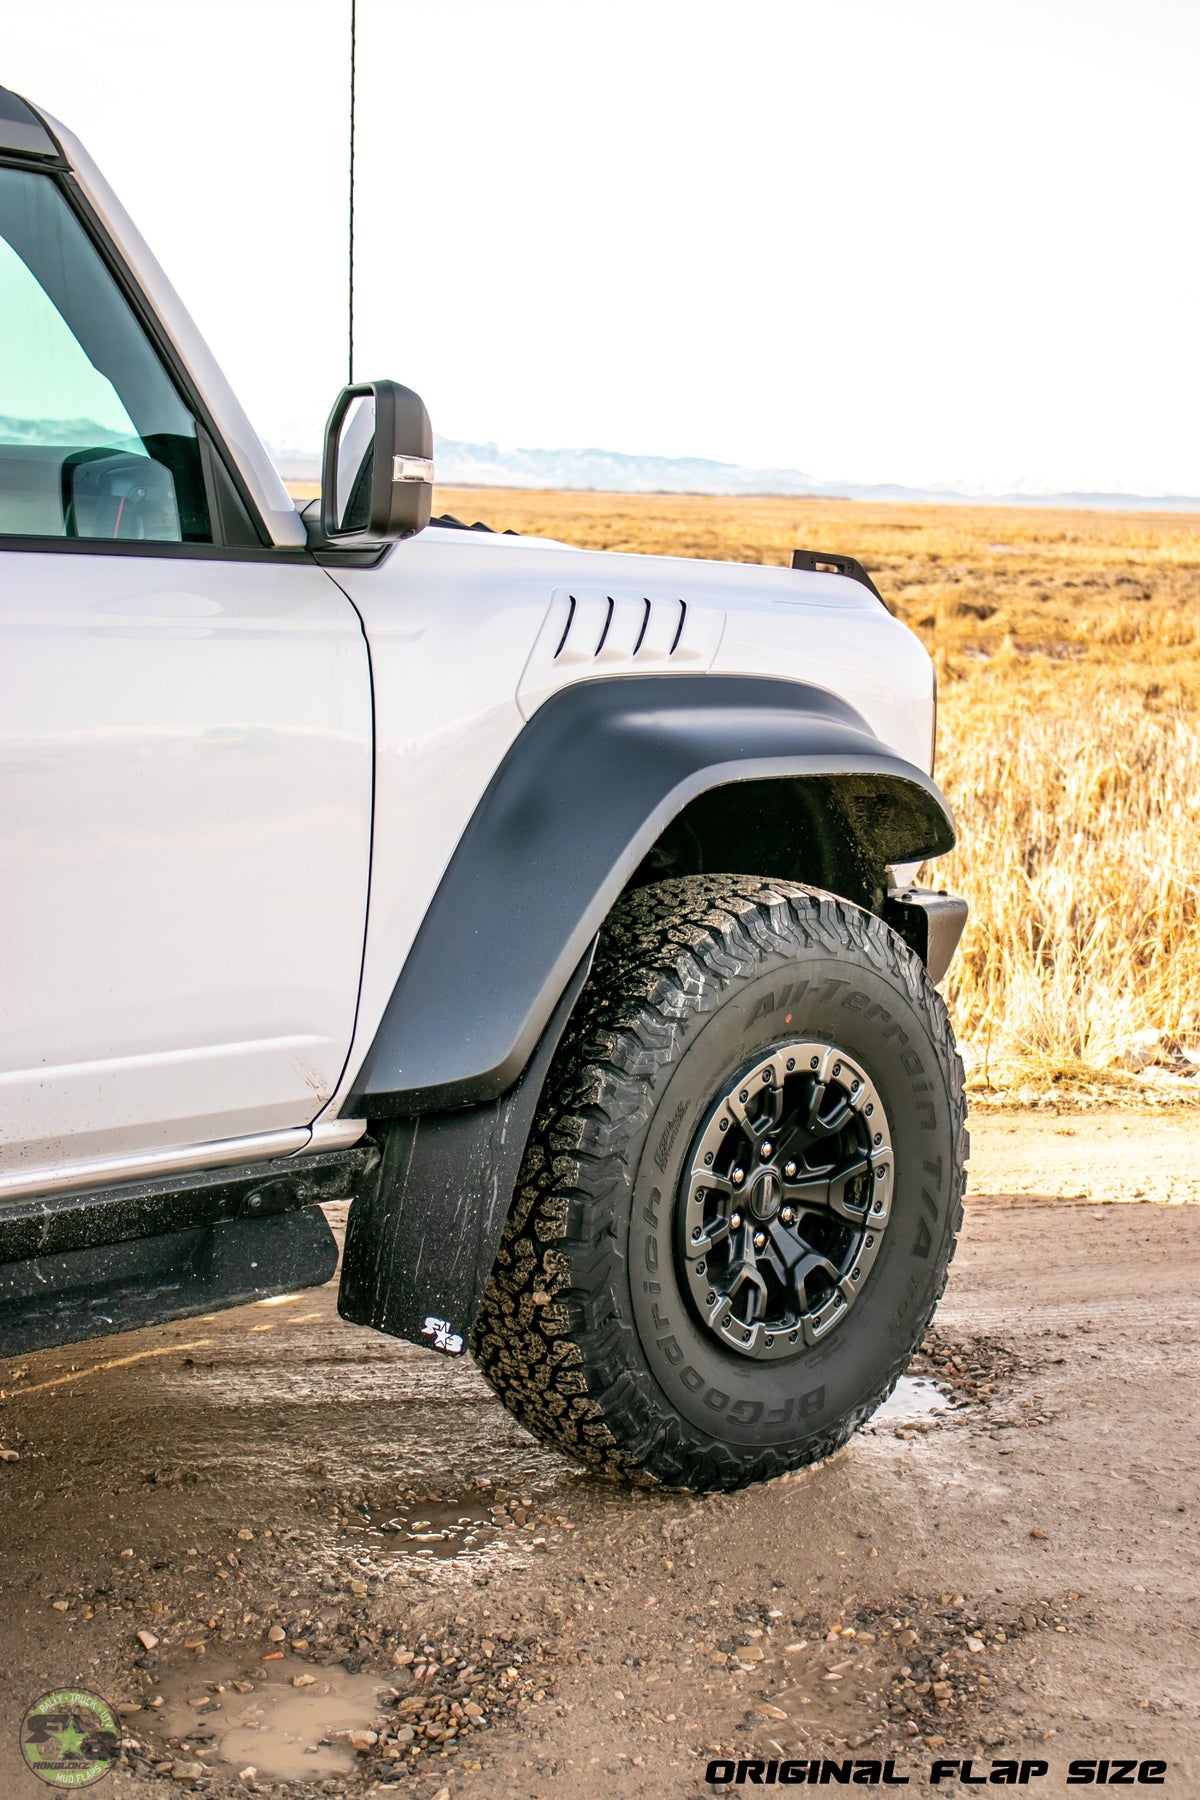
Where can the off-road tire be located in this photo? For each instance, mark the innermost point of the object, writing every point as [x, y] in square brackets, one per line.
[585, 1331]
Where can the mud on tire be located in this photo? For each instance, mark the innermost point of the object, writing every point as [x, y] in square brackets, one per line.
[595, 1329]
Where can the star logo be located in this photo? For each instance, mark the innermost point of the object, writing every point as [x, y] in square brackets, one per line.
[70, 1738]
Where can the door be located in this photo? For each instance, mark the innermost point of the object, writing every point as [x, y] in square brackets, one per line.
[185, 749]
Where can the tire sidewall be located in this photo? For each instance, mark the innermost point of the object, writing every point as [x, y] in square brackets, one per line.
[873, 1016]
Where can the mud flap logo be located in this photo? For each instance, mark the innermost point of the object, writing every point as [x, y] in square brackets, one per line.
[443, 1335]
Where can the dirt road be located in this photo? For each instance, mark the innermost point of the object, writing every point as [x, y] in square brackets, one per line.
[1005, 1566]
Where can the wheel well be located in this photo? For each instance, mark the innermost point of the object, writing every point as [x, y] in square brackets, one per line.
[836, 832]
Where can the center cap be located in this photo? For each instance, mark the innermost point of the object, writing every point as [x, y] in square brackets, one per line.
[766, 1194]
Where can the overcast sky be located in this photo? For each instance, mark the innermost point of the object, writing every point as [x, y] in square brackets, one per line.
[905, 240]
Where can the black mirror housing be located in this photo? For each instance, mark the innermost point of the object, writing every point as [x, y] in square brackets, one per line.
[377, 475]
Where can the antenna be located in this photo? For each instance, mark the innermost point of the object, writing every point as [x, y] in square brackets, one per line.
[350, 347]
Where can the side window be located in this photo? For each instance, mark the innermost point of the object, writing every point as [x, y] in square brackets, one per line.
[95, 441]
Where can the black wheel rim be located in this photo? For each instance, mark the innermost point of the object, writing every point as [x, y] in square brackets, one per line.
[785, 1201]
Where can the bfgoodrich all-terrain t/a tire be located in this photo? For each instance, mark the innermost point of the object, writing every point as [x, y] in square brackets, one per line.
[741, 1193]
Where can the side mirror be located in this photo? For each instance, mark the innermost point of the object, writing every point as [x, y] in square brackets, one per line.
[377, 478]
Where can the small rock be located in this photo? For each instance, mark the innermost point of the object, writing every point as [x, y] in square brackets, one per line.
[246, 1535]
[1035, 1533]
[934, 1743]
[187, 1771]
[767, 1711]
[304, 1681]
[10, 1455]
[443, 1793]
[247, 1775]
[243, 1687]
[749, 1653]
[65, 1606]
[357, 1588]
[401, 1658]
[974, 1645]
[363, 1740]
[147, 1640]
[277, 1634]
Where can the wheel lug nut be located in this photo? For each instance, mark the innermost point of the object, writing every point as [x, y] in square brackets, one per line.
[735, 1222]
[789, 1170]
[760, 1238]
[738, 1176]
[766, 1150]
[788, 1215]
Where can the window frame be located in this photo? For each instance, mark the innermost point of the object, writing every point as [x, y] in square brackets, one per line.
[219, 549]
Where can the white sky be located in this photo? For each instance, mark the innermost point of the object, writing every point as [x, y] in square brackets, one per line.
[894, 240]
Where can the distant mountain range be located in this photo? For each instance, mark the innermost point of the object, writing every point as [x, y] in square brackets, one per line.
[615, 471]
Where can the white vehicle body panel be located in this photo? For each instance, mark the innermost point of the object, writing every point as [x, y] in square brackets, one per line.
[463, 627]
[185, 770]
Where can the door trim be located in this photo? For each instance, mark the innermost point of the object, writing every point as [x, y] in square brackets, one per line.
[335, 1134]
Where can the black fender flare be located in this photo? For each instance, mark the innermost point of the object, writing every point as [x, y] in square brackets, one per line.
[584, 792]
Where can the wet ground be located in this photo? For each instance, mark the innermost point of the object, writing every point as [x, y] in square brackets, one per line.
[301, 1558]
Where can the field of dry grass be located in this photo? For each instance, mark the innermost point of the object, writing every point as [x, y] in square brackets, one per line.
[1068, 652]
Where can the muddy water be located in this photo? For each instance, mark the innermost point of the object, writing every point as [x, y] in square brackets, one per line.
[912, 1400]
[266, 1722]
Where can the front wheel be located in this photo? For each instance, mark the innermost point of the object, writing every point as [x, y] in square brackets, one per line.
[741, 1193]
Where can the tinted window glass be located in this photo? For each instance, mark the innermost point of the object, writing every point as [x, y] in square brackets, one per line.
[94, 438]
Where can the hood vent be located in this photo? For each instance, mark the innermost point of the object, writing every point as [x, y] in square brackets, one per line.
[588, 634]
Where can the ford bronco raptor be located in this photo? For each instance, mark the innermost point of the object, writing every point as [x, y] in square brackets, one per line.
[553, 908]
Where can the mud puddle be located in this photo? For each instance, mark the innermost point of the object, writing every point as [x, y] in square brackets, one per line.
[814, 1689]
[914, 1400]
[439, 1529]
[288, 1722]
[467, 1534]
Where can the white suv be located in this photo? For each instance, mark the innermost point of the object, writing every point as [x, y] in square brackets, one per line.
[553, 907]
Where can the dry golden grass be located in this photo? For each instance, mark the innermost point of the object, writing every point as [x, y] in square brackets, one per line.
[1068, 654]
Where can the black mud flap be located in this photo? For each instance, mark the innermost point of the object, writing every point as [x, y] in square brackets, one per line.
[423, 1233]
[93, 1292]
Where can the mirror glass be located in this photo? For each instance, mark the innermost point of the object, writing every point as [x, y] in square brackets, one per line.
[115, 495]
[355, 464]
